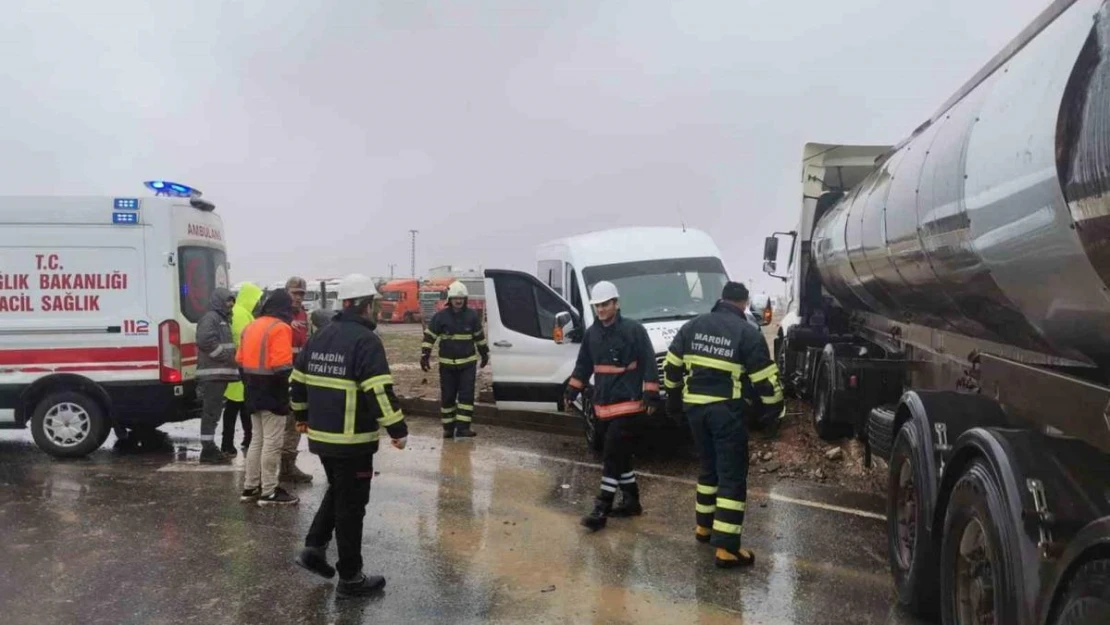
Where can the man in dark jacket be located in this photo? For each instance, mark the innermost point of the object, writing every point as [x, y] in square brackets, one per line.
[266, 358]
[216, 367]
[462, 342]
[342, 392]
[617, 352]
[712, 362]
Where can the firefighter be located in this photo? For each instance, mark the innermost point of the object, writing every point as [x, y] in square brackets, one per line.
[462, 343]
[713, 358]
[296, 286]
[618, 353]
[342, 392]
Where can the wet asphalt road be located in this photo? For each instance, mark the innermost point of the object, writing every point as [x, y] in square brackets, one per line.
[479, 531]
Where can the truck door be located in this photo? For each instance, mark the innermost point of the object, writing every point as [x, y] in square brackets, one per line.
[530, 369]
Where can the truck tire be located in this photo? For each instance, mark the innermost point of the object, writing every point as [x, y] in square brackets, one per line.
[910, 546]
[824, 408]
[69, 424]
[1087, 601]
[408, 318]
[978, 552]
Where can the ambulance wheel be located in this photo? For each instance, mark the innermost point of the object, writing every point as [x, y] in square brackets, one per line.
[69, 424]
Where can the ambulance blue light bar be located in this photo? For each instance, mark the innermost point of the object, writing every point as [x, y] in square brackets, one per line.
[125, 218]
[126, 204]
[173, 189]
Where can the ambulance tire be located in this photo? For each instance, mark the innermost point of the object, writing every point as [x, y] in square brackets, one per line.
[87, 421]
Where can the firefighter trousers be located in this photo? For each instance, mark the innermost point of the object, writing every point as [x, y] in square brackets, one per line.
[721, 439]
[456, 393]
[342, 510]
[616, 460]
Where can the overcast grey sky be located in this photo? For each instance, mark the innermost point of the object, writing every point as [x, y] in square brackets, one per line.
[325, 130]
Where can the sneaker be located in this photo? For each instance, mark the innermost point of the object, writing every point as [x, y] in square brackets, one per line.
[363, 586]
[250, 494]
[315, 560]
[278, 498]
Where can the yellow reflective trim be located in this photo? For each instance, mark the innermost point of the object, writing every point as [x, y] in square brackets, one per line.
[463, 418]
[349, 415]
[462, 406]
[426, 345]
[730, 504]
[704, 509]
[667, 383]
[460, 361]
[447, 409]
[765, 373]
[393, 416]
[707, 490]
[714, 363]
[431, 334]
[457, 337]
[296, 405]
[773, 399]
[342, 439]
[333, 383]
[378, 381]
[702, 399]
[481, 342]
[673, 359]
[448, 420]
[727, 528]
[297, 376]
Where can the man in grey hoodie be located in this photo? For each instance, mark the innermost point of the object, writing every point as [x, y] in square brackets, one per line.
[216, 367]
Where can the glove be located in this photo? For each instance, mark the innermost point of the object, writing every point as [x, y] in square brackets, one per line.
[651, 402]
[302, 427]
[425, 362]
[400, 443]
[485, 361]
[569, 397]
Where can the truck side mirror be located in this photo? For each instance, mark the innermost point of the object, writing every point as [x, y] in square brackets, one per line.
[770, 251]
[564, 327]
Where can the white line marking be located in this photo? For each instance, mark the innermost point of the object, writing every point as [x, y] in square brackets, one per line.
[184, 467]
[688, 482]
[824, 506]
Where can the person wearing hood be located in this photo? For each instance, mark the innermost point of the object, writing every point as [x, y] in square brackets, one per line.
[216, 367]
[266, 358]
[234, 408]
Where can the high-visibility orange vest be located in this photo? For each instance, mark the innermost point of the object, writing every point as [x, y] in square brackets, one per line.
[266, 347]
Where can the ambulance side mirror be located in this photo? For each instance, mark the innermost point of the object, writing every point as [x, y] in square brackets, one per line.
[564, 328]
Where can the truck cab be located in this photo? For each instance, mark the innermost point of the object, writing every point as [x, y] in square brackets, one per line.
[400, 302]
[665, 276]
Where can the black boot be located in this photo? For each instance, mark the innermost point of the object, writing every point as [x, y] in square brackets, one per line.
[597, 519]
[462, 430]
[210, 454]
[361, 586]
[629, 505]
[315, 560]
[449, 430]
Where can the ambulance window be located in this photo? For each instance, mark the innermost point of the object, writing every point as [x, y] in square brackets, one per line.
[201, 269]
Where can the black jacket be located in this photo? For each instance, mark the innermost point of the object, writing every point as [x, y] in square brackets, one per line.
[622, 361]
[341, 385]
[715, 356]
[270, 392]
[460, 335]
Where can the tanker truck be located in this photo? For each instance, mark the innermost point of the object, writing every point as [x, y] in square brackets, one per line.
[948, 302]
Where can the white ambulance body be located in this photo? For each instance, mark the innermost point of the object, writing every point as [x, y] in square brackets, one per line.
[99, 300]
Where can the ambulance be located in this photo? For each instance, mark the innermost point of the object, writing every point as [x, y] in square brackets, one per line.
[99, 301]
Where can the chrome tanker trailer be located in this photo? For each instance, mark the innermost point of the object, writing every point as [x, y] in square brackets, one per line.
[949, 302]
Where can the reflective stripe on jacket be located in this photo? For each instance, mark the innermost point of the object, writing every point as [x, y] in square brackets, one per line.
[622, 362]
[715, 355]
[460, 335]
[341, 385]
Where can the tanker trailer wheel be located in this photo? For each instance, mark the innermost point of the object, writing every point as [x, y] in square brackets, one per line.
[824, 407]
[978, 553]
[1087, 601]
[911, 549]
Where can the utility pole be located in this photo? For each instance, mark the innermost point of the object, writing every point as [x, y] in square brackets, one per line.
[412, 260]
[391, 267]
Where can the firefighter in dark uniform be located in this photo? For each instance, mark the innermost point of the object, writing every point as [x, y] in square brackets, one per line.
[341, 393]
[712, 359]
[618, 353]
[462, 343]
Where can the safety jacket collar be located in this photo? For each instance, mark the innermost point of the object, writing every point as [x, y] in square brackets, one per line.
[728, 307]
[350, 316]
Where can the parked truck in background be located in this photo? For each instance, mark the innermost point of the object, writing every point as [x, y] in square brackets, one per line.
[432, 292]
[400, 301]
[949, 302]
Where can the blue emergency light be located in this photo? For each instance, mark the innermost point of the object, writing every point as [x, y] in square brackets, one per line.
[173, 189]
[126, 204]
[125, 218]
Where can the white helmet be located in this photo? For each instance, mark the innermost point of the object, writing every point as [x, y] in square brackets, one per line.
[457, 289]
[602, 292]
[356, 286]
